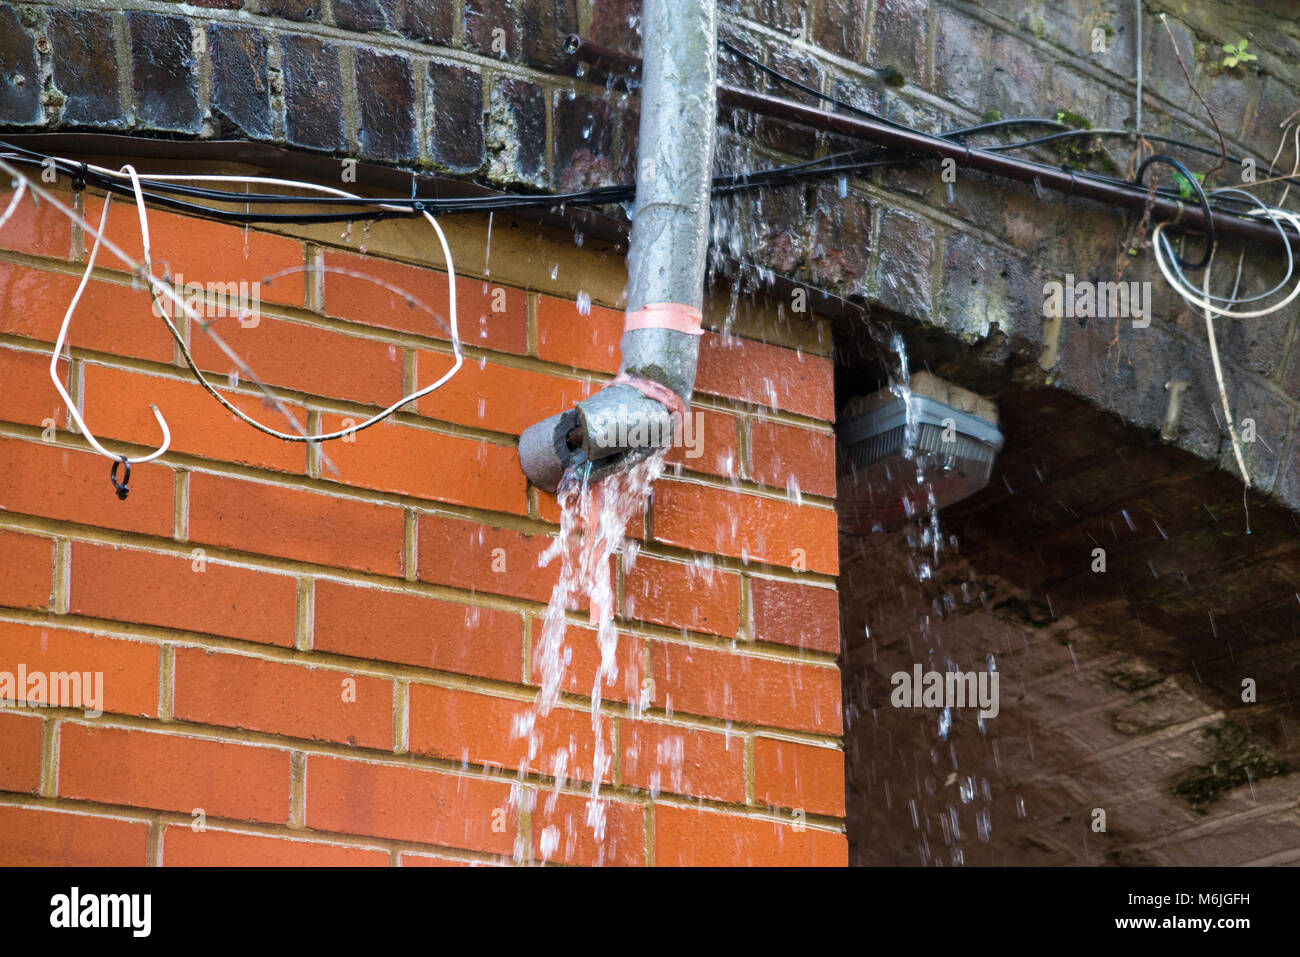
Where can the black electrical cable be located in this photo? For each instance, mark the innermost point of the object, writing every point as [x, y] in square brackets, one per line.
[841, 163]
[1066, 131]
[1201, 197]
[1112, 132]
[607, 195]
[789, 81]
[844, 163]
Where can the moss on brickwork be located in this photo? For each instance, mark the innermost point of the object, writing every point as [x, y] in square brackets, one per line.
[1239, 760]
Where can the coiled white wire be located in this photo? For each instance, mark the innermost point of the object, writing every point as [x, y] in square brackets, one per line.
[158, 289]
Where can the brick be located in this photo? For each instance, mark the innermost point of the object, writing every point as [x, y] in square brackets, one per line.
[461, 554]
[541, 23]
[364, 622]
[20, 757]
[307, 359]
[109, 317]
[766, 375]
[779, 134]
[164, 73]
[173, 773]
[515, 132]
[792, 775]
[130, 668]
[368, 16]
[584, 141]
[199, 424]
[482, 19]
[963, 48]
[781, 239]
[687, 761]
[611, 25]
[787, 457]
[685, 837]
[409, 804]
[489, 315]
[30, 397]
[431, 20]
[297, 10]
[429, 465]
[801, 616]
[296, 524]
[276, 698]
[476, 728]
[981, 286]
[454, 111]
[580, 650]
[185, 250]
[36, 837]
[26, 570]
[170, 591]
[737, 687]
[388, 116]
[840, 243]
[496, 397]
[240, 83]
[73, 486]
[697, 597]
[20, 94]
[40, 230]
[85, 67]
[313, 94]
[428, 860]
[183, 847]
[562, 819]
[567, 337]
[840, 25]
[711, 446]
[750, 527]
[904, 264]
[779, 14]
[898, 38]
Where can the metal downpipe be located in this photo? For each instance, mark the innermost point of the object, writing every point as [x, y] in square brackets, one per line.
[641, 409]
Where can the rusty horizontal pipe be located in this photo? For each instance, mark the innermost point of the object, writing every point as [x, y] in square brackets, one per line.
[1132, 197]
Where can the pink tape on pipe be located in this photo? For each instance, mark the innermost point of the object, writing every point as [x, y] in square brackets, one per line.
[665, 315]
[653, 390]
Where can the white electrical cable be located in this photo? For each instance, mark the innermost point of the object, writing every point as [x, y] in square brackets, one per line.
[1191, 296]
[1218, 374]
[58, 348]
[13, 203]
[156, 286]
[340, 433]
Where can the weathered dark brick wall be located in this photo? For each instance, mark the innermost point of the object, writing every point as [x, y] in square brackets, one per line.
[973, 260]
[482, 89]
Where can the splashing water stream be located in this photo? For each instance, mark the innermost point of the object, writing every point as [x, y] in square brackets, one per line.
[593, 519]
[926, 547]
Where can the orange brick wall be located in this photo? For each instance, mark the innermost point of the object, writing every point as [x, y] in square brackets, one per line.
[231, 596]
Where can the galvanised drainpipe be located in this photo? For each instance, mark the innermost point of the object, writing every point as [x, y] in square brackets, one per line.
[637, 412]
